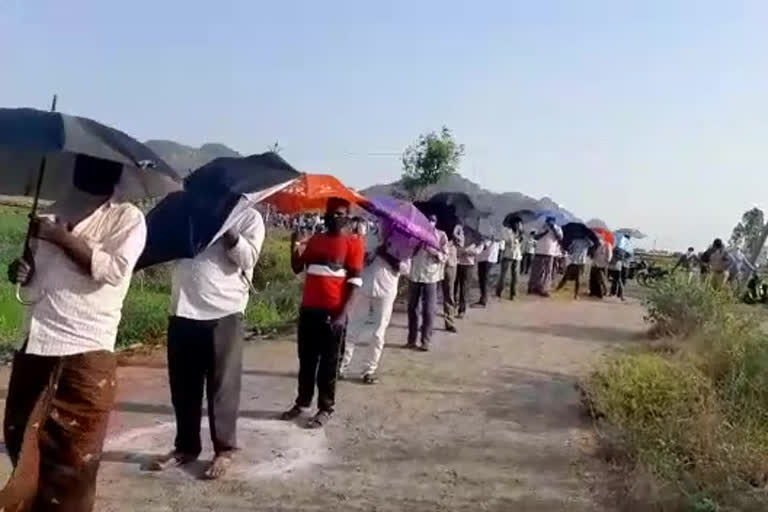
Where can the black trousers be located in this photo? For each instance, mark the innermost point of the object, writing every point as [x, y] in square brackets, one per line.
[461, 291]
[319, 348]
[617, 283]
[483, 271]
[508, 265]
[205, 354]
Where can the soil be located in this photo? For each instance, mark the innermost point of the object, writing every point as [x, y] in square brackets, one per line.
[489, 419]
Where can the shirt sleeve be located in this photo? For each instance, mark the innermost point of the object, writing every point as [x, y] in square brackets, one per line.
[250, 238]
[354, 261]
[113, 259]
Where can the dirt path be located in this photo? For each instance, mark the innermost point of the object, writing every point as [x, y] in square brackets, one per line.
[489, 420]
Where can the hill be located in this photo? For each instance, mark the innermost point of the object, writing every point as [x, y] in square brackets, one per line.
[498, 204]
[186, 158]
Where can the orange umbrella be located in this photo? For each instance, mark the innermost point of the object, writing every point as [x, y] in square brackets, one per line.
[311, 192]
[605, 235]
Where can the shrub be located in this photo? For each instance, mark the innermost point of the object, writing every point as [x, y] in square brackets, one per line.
[274, 264]
[677, 307]
[145, 318]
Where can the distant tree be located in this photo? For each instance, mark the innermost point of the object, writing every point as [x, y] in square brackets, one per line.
[275, 148]
[750, 234]
[434, 156]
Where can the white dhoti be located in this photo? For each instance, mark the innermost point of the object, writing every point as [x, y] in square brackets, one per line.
[367, 326]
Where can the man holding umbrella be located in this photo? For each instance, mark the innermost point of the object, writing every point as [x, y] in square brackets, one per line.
[205, 341]
[62, 385]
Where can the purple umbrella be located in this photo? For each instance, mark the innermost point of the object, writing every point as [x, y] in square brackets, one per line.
[404, 218]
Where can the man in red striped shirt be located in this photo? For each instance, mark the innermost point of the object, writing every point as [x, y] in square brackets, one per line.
[333, 262]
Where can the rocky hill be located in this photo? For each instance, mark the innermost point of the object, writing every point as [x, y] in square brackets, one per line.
[185, 159]
[498, 204]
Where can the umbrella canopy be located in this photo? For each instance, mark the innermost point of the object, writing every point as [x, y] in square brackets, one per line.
[27, 135]
[311, 192]
[605, 235]
[185, 223]
[403, 217]
[524, 216]
[576, 230]
[631, 232]
[462, 205]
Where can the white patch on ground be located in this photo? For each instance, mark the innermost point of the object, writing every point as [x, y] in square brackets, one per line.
[268, 449]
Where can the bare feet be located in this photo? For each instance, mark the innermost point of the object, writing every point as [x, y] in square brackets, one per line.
[171, 460]
[219, 466]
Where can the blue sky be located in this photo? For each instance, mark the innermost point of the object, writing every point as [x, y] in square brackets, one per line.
[649, 114]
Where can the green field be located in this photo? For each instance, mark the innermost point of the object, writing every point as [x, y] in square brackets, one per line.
[146, 308]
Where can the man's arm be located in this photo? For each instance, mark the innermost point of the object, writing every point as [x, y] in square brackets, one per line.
[113, 259]
[297, 257]
[354, 267]
[244, 242]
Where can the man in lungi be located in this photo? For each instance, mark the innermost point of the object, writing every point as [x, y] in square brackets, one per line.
[547, 248]
[205, 342]
[62, 385]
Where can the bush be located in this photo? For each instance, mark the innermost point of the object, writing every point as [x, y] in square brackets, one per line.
[677, 307]
[145, 318]
[274, 264]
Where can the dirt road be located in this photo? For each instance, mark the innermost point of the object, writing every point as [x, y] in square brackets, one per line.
[489, 420]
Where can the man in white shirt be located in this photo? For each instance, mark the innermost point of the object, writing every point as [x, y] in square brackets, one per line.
[488, 257]
[578, 256]
[510, 261]
[372, 311]
[449, 277]
[62, 385]
[205, 341]
[426, 272]
[547, 249]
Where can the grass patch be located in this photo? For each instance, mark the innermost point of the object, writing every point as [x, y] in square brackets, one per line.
[693, 421]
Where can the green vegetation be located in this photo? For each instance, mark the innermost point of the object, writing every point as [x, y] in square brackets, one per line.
[431, 158]
[693, 419]
[145, 314]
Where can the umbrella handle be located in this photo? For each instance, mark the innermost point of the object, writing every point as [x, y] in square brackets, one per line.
[21, 299]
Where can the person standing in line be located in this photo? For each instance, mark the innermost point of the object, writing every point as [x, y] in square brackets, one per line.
[547, 249]
[578, 254]
[63, 378]
[597, 274]
[511, 258]
[426, 272]
[205, 342]
[615, 271]
[741, 269]
[488, 257]
[688, 262]
[372, 312]
[529, 250]
[455, 241]
[719, 263]
[467, 258]
[333, 262]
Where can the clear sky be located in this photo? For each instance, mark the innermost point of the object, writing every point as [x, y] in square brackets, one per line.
[649, 114]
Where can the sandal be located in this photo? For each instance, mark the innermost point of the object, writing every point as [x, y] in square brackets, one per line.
[370, 378]
[319, 420]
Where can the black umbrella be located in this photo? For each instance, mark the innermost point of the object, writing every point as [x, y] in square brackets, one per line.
[28, 135]
[185, 223]
[576, 230]
[523, 216]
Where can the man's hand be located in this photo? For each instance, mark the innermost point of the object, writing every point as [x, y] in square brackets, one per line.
[339, 322]
[53, 231]
[20, 272]
[231, 237]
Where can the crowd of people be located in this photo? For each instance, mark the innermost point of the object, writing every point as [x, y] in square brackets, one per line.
[84, 253]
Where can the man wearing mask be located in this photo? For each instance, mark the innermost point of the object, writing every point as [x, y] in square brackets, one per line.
[510, 261]
[62, 385]
[372, 311]
[547, 249]
[426, 272]
[333, 262]
[205, 341]
[449, 277]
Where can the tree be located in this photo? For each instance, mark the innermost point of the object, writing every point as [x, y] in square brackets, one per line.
[750, 234]
[431, 158]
